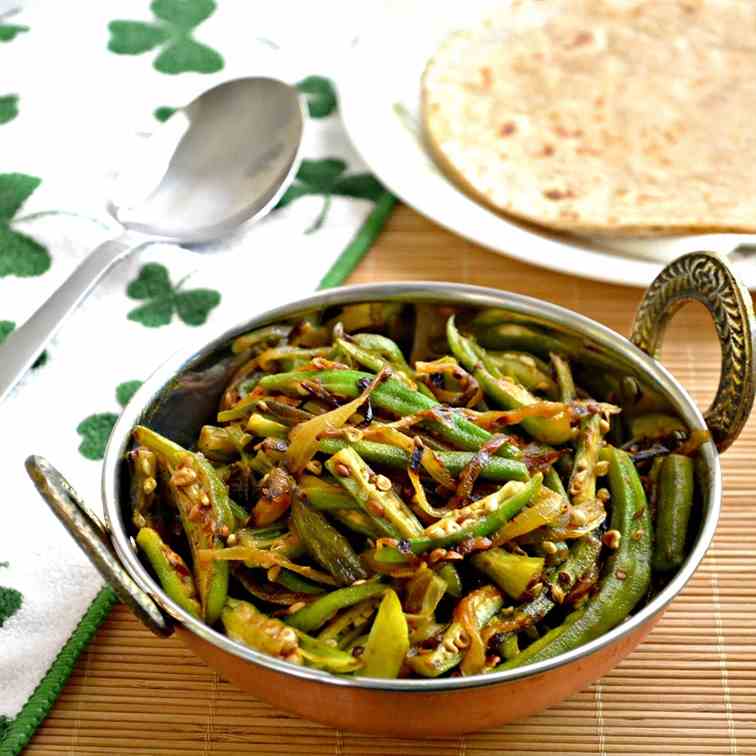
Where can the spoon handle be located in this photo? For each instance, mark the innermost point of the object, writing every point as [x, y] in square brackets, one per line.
[25, 344]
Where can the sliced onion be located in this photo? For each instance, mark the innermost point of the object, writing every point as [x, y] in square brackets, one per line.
[546, 508]
[303, 438]
[253, 557]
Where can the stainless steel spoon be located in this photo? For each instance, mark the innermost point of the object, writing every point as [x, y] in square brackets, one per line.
[221, 161]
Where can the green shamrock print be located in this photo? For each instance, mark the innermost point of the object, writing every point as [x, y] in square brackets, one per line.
[9, 31]
[95, 430]
[6, 328]
[172, 33]
[20, 255]
[8, 108]
[326, 177]
[320, 95]
[10, 603]
[163, 113]
[163, 299]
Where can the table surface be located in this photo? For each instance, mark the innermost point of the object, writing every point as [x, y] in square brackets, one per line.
[690, 688]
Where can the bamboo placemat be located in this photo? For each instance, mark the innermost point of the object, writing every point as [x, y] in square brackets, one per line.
[691, 688]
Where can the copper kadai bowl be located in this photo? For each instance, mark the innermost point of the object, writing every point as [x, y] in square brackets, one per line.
[444, 706]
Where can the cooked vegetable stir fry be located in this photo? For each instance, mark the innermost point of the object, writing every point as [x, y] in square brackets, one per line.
[392, 492]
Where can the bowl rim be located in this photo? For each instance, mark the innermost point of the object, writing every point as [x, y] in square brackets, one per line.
[419, 292]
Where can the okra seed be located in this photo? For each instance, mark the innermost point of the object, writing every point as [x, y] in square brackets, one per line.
[382, 483]
[315, 467]
[549, 547]
[146, 466]
[620, 574]
[296, 607]
[603, 495]
[557, 594]
[232, 539]
[375, 508]
[273, 573]
[536, 590]
[638, 534]
[205, 500]
[579, 517]
[602, 468]
[612, 539]
[342, 470]
[183, 477]
[149, 485]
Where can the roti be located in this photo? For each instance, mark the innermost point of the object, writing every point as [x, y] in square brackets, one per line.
[634, 117]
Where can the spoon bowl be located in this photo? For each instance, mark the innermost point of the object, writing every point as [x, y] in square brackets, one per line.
[222, 161]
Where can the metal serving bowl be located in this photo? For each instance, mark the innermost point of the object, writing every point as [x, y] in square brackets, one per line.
[183, 393]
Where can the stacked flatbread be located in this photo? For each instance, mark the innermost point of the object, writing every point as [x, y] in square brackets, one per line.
[608, 116]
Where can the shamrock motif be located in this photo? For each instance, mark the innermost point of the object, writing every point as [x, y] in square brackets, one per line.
[325, 177]
[163, 299]
[180, 52]
[20, 255]
[321, 97]
[10, 603]
[8, 108]
[163, 113]
[95, 430]
[9, 31]
[6, 328]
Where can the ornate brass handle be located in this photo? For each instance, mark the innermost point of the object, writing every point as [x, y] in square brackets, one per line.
[87, 530]
[707, 278]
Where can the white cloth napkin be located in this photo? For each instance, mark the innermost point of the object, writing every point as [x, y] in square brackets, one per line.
[76, 102]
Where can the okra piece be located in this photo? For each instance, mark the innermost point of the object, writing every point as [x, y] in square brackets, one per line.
[203, 506]
[482, 603]
[582, 557]
[324, 656]
[273, 334]
[513, 573]
[532, 652]
[673, 505]
[506, 336]
[388, 641]
[394, 397]
[357, 521]
[386, 348]
[348, 625]
[326, 494]
[655, 425]
[264, 427]
[552, 480]
[316, 614]
[216, 444]
[423, 592]
[627, 572]
[564, 377]
[527, 369]
[494, 468]
[476, 520]
[250, 627]
[171, 570]
[506, 392]
[375, 362]
[325, 544]
[374, 494]
[298, 584]
[582, 485]
[143, 487]
[448, 573]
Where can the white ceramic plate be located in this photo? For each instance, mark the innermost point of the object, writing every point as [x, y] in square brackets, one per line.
[379, 89]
